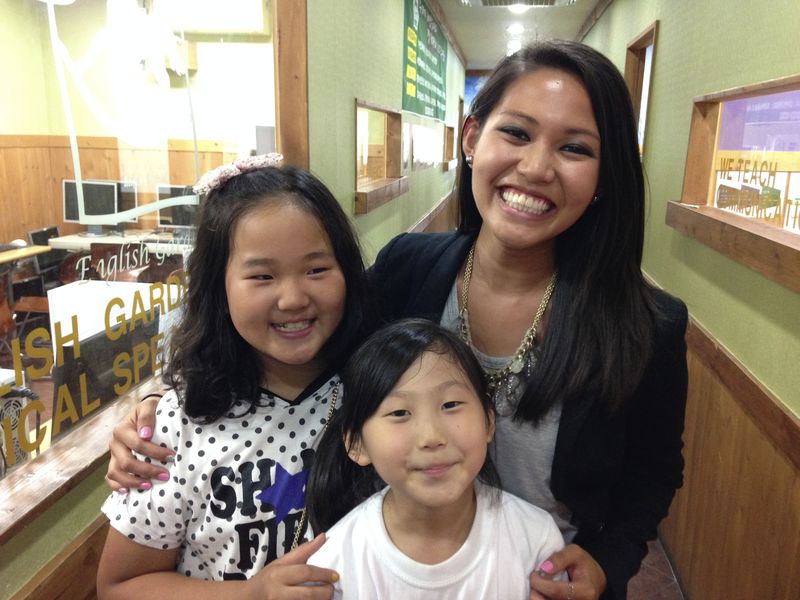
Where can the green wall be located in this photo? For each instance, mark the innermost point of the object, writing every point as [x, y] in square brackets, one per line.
[705, 47]
[355, 50]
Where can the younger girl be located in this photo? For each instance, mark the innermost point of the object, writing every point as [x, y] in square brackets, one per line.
[253, 384]
[417, 417]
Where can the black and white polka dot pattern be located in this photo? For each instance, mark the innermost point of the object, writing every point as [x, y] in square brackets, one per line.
[209, 507]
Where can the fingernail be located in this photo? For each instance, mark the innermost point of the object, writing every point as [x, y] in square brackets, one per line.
[163, 476]
[334, 577]
[122, 490]
[145, 486]
[145, 433]
[170, 458]
[546, 567]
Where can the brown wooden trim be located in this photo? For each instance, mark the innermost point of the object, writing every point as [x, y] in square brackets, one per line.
[700, 152]
[431, 215]
[32, 487]
[375, 106]
[772, 86]
[290, 31]
[635, 62]
[72, 573]
[771, 251]
[371, 195]
[771, 416]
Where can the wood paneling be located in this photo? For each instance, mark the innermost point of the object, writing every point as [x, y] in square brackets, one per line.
[32, 168]
[734, 527]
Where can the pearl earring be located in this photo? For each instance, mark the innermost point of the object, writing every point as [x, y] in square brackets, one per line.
[468, 158]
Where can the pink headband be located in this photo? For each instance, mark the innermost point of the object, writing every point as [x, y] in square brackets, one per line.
[216, 177]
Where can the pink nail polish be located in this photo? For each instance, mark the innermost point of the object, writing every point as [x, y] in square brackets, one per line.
[145, 433]
[122, 490]
[145, 486]
[163, 476]
[546, 567]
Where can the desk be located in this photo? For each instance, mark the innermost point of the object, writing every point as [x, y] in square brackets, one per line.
[157, 243]
[11, 257]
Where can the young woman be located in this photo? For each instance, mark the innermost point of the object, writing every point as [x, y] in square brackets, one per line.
[416, 416]
[586, 360]
[277, 293]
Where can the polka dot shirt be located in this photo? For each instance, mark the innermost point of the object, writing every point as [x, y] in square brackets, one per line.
[237, 486]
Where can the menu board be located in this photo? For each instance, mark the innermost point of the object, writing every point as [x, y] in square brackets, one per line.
[424, 63]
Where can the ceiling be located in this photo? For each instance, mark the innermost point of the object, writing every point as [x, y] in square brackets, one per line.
[481, 33]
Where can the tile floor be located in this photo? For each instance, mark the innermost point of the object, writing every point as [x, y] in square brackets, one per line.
[656, 579]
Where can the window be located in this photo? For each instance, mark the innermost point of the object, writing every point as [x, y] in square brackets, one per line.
[741, 188]
[378, 157]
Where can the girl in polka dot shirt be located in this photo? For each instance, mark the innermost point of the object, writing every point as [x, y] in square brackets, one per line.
[277, 294]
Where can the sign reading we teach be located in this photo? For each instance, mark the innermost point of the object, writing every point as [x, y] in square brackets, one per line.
[425, 62]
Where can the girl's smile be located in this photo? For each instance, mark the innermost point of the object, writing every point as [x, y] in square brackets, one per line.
[285, 289]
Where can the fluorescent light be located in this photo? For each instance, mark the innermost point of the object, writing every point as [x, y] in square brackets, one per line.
[515, 29]
[518, 9]
[512, 46]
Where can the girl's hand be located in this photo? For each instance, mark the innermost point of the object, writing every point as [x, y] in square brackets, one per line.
[587, 579]
[124, 471]
[290, 578]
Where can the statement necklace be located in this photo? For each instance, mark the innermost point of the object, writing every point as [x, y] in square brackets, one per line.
[331, 408]
[522, 358]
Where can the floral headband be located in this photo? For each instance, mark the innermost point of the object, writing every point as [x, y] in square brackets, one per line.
[216, 177]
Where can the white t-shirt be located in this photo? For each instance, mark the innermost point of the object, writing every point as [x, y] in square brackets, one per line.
[211, 506]
[509, 539]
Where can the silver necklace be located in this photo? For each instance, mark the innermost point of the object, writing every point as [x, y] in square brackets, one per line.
[522, 358]
[331, 408]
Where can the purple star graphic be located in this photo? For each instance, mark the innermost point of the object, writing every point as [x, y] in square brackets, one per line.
[286, 492]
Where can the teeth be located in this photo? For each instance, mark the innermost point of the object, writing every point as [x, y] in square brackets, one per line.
[525, 203]
[296, 326]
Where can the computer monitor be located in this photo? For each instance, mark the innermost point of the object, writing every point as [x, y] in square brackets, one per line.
[99, 198]
[46, 260]
[176, 217]
[128, 197]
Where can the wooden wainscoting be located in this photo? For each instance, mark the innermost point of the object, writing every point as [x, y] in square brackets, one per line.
[734, 528]
[72, 574]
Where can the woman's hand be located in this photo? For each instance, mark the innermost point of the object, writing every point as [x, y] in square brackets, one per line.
[290, 578]
[587, 579]
[124, 471]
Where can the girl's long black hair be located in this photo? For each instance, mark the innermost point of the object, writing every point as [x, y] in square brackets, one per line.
[336, 484]
[211, 365]
[603, 312]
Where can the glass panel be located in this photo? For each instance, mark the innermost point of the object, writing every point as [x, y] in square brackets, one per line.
[757, 159]
[118, 107]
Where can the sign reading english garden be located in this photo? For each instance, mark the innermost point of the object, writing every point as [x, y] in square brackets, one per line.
[424, 63]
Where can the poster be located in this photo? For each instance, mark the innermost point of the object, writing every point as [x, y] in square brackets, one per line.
[424, 62]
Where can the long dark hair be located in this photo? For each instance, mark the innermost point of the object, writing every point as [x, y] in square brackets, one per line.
[337, 484]
[210, 364]
[602, 313]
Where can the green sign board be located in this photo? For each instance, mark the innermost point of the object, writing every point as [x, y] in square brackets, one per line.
[425, 62]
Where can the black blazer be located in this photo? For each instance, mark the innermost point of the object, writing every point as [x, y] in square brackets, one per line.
[617, 473]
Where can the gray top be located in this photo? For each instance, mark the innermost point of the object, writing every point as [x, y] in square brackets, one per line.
[523, 452]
